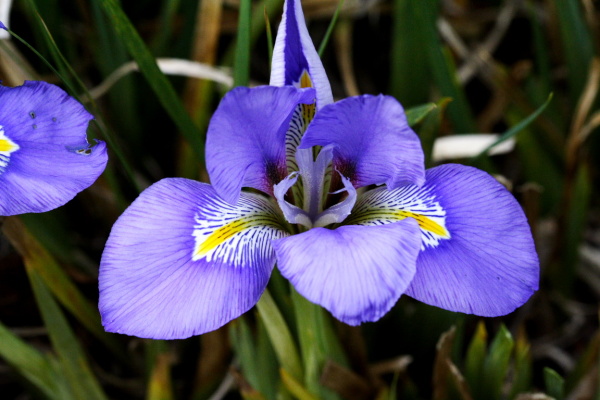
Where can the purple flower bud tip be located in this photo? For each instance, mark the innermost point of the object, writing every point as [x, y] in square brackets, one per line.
[2, 26]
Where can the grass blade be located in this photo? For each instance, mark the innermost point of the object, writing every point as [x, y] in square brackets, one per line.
[73, 361]
[156, 79]
[241, 67]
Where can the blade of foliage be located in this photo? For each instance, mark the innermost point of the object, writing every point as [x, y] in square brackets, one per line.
[160, 386]
[34, 366]
[430, 128]
[496, 363]
[442, 66]
[155, 78]
[409, 69]
[475, 359]
[280, 335]
[576, 42]
[269, 32]
[39, 260]
[416, 114]
[330, 28]
[257, 359]
[518, 127]
[555, 384]
[522, 366]
[241, 67]
[74, 364]
[295, 387]
[318, 344]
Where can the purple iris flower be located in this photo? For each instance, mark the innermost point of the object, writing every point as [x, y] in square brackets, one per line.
[45, 158]
[353, 220]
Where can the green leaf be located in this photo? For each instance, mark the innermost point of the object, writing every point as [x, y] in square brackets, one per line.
[73, 362]
[430, 129]
[416, 114]
[410, 74]
[160, 386]
[496, 363]
[34, 366]
[280, 335]
[555, 384]
[241, 67]
[155, 78]
[442, 66]
[39, 260]
[318, 344]
[517, 128]
[475, 359]
[330, 27]
[576, 42]
[295, 387]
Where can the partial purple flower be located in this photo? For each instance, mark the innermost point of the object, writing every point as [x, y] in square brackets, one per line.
[187, 257]
[45, 158]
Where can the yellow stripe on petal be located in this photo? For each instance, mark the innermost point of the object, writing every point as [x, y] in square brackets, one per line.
[425, 223]
[8, 146]
[223, 235]
[381, 206]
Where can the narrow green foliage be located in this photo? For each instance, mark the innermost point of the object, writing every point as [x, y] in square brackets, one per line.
[555, 384]
[39, 260]
[518, 127]
[280, 335]
[475, 360]
[496, 363]
[430, 128]
[155, 78]
[442, 66]
[416, 114]
[409, 69]
[296, 389]
[269, 32]
[75, 367]
[318, 344]
[577, 43]
[522, 366]
[241, 67]
[32, 365]
[330, 28]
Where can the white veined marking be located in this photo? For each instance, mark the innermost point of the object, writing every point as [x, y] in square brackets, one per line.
[238, 235]
[381, 206]
[7, 147]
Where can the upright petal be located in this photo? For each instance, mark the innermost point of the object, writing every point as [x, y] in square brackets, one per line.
[45, 158]
[478, 255]
[245, 143]
[373, 143]
[180, 261]
[295, 54]
[356, 272]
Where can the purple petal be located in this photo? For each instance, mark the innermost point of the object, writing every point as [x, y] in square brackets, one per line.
[51, 160]
[356, 272]
[295, 53]
[180, 261]
[2, 26]
[293, 214]
[245, 144]
[373, 142]
[489, 266]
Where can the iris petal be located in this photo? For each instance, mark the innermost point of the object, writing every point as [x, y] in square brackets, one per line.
[180, 261]
[45, 158]
[356, 272]
[245, 144]
[295, 53]
[373, 143]
[489, 267]
[478, 255]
